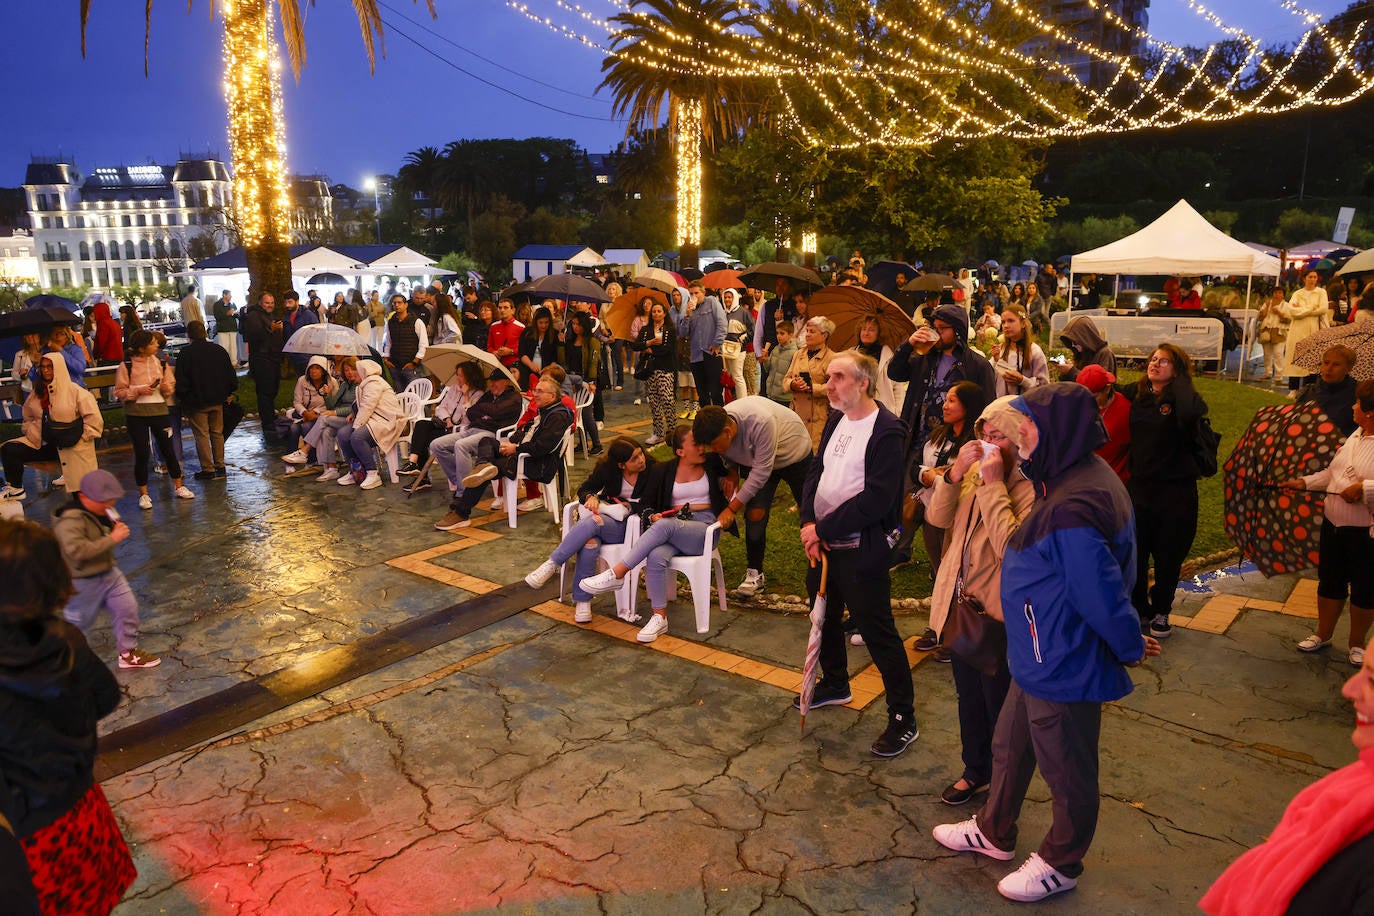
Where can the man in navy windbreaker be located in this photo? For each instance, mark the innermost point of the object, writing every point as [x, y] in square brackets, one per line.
[1071, 633]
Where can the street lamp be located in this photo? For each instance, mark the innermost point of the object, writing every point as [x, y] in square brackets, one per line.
[371, 184]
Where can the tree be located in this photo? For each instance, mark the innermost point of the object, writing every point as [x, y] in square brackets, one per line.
[254, 120]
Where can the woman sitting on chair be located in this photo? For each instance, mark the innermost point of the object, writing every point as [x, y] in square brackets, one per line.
[680, 501]
[450, 416]
[377, 421]
[315, 395]
[610, 494]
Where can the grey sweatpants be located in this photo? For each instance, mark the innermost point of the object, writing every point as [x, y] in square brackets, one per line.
[110, 590]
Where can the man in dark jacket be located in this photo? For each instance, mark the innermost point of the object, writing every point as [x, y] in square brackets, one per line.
[297, 316]
[226, 315]
[205, 380]
[1088, 346]
[455, 453]
[848, 506]
[1072, 631]
[540, 440]
[262, 332]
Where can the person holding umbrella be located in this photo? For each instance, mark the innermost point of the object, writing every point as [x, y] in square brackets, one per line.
[1346, 551]
[849, 503]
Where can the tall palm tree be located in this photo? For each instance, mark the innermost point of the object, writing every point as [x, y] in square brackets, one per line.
[255, 118]
[704, 105]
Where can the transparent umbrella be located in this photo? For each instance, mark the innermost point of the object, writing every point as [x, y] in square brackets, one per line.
[327, 340]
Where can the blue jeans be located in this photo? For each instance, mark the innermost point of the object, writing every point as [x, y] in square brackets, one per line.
[665, 539]
[455, 452]
[356, 444]
[610, 531]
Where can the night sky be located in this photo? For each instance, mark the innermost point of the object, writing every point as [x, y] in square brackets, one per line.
[342, 121]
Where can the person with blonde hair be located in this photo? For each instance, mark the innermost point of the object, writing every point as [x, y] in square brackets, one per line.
[806, 376]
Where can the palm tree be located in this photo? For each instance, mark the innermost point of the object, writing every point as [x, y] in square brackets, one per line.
[704, 105]
[255, 119]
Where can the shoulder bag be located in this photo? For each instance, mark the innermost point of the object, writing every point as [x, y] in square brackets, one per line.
[970, 633]
[62, 434]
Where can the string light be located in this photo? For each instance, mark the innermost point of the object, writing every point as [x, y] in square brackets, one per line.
[687, 154]
[252, 83]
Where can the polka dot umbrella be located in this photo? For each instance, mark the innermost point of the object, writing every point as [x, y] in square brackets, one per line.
[1277, 529]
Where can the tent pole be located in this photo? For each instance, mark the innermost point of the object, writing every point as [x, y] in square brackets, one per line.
[1245, 343]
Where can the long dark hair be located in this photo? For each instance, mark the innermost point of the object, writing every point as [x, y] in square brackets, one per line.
[1183, 369]
[622, 449]
[37, 581]
[532, 329]
[971, 396]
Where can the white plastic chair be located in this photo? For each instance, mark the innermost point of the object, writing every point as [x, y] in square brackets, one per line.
[582, 401]
[611, 554]
[411, 410]
[549, 491]
[423, 388]
[697, 568]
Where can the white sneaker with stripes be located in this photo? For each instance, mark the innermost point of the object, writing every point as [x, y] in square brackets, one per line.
[1035, 880]
[966, 837]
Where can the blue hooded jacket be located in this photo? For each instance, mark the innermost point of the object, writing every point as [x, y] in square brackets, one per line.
[704, 328]
[1069, 569]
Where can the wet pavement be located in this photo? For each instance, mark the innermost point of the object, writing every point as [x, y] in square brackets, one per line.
[359, 714]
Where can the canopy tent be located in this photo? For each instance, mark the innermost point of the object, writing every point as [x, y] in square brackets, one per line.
[356, 263]
[1181, 242]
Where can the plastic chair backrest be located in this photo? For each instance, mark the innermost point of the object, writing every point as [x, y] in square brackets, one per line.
[422, 387]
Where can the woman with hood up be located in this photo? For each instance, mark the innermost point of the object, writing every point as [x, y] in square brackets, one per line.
[316, 393]
[1088, 346]
[109, 336]
[64, 402]
[377, 420]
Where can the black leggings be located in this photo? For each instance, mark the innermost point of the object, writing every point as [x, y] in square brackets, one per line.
[1165, 524]
[161, 428]
[17, 453]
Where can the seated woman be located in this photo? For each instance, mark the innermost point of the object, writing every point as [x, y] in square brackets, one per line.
[540, 440]
[613, 486]
[1316, 861]
[62, 340]
[680, 501]
[377, 420]
[62, 402]
[316, 392]
[450, 416]
[324, 435]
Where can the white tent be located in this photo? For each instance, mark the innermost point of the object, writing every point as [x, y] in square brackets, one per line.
[1180, 242]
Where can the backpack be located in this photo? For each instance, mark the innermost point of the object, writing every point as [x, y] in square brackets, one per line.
[1230, 329]
[1206, 441]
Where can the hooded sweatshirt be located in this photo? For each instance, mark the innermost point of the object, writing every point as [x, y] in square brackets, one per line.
[1069, 569]
[704, 328]
[377, 408]
[109, 336]
[1088, 345]
[66, 402]
[931, 375]
[309, 397]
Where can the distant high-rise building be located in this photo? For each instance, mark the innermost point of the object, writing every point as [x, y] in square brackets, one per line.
[1088, 22]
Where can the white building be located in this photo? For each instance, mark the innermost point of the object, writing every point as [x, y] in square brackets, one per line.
[122, 225]
[18, 259]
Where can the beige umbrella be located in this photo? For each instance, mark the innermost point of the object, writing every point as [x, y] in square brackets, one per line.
[850, 306]
[442, 360]
[620, 314]
[657, 278]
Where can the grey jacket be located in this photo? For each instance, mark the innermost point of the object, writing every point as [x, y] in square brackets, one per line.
[85, 539]
[704, 328]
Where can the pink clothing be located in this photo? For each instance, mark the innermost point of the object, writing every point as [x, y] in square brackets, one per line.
[1320, 821]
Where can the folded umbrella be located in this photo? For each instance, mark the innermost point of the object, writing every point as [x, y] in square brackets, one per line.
[813, 645]
[1277, 529]
[850, 306]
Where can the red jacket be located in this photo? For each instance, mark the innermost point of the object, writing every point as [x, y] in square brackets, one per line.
[109, 336]
[1116, 451]
[505, 334]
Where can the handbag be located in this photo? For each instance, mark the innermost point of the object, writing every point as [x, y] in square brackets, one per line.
[978, 639]
[62, 434]
[644, 366]
[730, 348]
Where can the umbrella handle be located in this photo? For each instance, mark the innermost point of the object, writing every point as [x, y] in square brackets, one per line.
[825, 571]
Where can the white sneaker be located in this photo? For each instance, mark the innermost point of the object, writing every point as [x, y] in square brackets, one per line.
[542, 573]
[12, 492]
[347, 480]
[530, 504]
[145, 501]
[653, 440]
[966, 837]
[330, 473]
[184, 492]
[602, 582]
[59, 482]
[296, 457]
[752, 584]
[496, 504]
[628, 615]
[656, 627]
[372, 481]
[1035, 880]
[582, 612]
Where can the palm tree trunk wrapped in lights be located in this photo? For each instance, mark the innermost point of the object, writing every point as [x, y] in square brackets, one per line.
[687, 153]
[252, 82]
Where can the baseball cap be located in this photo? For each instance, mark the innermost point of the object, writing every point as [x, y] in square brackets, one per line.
[1095, 378]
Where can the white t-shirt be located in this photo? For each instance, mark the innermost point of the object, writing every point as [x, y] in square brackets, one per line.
[843, 475]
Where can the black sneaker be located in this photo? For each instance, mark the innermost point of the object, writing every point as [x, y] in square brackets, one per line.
[1159, 627]
[204, 475]
[221, 472]
[826, 695]
[927, 641]
[410, 469]
[901, 731]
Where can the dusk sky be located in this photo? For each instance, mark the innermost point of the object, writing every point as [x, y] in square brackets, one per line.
[341, 121]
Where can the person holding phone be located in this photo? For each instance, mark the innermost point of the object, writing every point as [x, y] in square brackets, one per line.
[806, 376]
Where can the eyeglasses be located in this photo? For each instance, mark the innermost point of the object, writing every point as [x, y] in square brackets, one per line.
[1160, 361]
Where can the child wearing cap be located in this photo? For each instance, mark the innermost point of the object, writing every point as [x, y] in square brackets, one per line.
[88, 529]
[1116, 417]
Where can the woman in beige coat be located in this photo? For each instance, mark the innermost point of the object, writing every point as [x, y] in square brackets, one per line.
[806, 377]
[1309, 311]
[65, 402]
[981, 499]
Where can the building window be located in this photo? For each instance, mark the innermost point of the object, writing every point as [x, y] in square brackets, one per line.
[83, 251]
[159, 247]
[99, 250]
[147, 276]
[157, 219]
[119, 276]
[59, 223]
[142, 220]
[129, 251]
[47, 222]
[126, 220]
[66, 278]
[63, 253]
[52, 278]
[176, 247]
[143, 250]
[174, 219]
[86, 276]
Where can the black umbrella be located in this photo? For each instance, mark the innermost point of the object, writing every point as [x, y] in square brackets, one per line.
[765, 275]
[691, 273]
[568, 286]
[882, 276]
[328, 279]
[48, 300]
[519, 290]
[37, 320]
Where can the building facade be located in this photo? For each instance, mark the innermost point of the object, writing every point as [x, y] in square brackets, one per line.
[123, 225]
[18, 259]
[1085, 21]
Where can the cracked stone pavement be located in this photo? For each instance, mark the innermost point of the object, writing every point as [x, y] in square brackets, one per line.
[536, 766]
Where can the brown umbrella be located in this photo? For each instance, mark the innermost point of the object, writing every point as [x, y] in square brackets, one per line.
[766, 275]
[931, 283]
[620, 314]
[722, 279]
[849, 306]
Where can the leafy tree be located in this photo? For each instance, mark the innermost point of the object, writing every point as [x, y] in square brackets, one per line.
[1297, 225]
